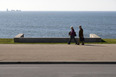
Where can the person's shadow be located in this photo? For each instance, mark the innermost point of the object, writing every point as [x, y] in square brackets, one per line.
[89, 45]
[94, 45]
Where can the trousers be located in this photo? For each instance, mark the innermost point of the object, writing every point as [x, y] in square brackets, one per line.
[72, 37]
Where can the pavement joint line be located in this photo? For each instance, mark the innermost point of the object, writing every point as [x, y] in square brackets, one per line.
[114, 62]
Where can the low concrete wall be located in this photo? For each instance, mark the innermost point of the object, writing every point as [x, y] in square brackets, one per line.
[52, 40]
[42, 40]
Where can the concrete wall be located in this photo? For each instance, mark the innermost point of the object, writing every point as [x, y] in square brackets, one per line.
[51, 40]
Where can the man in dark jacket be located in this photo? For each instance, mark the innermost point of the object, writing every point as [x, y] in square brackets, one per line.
[72, 34]
[81, 36]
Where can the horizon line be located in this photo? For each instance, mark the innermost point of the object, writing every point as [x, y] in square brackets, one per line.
[59, 11]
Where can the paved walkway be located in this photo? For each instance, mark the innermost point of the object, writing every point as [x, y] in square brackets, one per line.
[57, 52]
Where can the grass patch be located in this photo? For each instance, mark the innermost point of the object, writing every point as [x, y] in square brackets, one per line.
[11, 41]
[110, 41]
[104, 41]
[6, 41]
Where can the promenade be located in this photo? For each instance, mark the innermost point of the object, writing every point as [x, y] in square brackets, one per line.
[57, 53]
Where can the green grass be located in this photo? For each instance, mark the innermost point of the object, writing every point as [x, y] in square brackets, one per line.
[110, 41]
[6, 41]
[11, 41]
[104, 41]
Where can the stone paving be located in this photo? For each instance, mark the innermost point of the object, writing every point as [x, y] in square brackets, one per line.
[57, 52]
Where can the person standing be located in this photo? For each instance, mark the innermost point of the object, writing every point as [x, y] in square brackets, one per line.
[81, 36]
[72, 35]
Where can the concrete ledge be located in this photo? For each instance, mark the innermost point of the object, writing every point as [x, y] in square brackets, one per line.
[19, 35]
[94, 36]
[19, 38]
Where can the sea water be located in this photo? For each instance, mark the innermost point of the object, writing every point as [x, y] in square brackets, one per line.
[57, 24]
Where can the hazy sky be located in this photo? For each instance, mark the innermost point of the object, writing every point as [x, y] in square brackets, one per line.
[59, 5]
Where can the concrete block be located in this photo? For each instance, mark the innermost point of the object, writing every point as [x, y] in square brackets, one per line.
[19, 35]
[94, 36]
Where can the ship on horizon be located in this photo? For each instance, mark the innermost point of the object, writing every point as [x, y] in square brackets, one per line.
[13, 10]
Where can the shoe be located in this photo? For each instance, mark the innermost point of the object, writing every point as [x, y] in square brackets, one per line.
[78, 44]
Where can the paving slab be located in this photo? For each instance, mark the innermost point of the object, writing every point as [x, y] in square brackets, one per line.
[57, 53]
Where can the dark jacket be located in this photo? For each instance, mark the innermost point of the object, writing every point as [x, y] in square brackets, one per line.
[81, 33]
[72, 33]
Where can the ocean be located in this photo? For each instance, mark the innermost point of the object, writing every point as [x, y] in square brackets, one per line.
[57, 24]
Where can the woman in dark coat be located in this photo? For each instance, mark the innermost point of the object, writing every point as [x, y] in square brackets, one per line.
[72, 34]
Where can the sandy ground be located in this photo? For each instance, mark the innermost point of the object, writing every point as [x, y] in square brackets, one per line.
[57, 52]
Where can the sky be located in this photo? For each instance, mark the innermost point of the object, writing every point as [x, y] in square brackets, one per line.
[58, 5]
